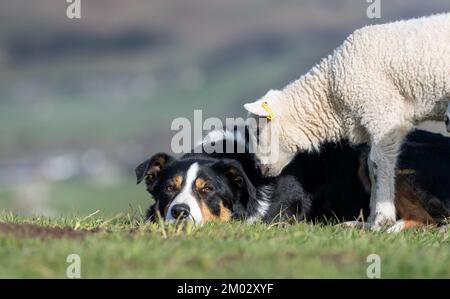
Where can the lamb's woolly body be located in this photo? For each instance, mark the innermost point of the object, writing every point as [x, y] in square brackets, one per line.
[397, 73]
[380, 82]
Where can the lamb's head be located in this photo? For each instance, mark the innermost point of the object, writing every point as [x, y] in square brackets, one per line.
[266, 129]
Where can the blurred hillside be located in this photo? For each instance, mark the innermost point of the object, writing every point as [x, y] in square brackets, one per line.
[84, 101]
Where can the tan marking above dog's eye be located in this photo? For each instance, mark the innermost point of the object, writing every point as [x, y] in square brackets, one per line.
[200, 183]
[177, 181]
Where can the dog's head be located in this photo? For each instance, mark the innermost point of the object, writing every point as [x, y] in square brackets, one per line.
[195, 188]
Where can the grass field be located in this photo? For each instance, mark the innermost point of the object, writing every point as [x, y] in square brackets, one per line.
[124, 247]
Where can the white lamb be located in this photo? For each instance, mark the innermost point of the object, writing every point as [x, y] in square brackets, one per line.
[373, 89]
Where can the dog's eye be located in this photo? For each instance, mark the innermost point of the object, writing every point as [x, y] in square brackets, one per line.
[169, 188]
[206, 189]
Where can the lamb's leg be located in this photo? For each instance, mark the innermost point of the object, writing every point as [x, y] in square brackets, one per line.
[382, 163]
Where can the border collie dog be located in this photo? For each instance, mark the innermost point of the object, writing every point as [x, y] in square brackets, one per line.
[331, 185]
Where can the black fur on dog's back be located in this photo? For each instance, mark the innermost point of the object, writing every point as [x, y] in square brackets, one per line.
[428, 154]
[330, 178]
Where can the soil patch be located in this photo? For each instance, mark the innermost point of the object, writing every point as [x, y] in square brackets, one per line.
[34, 230]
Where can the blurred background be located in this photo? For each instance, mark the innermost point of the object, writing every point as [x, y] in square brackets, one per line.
[83, 102]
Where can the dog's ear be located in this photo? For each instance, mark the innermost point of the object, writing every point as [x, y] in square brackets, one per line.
[151, 168]
[234, 172]
[236, 176]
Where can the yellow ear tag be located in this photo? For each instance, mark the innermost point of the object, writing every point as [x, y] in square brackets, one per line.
[266, 107]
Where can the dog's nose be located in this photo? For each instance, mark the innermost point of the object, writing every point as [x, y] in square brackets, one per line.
[180, 211]
[446, 120]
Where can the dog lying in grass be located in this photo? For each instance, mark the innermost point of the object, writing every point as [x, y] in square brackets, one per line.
[203, 187]
[331, 186]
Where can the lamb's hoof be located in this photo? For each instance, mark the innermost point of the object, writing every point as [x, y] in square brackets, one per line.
[382, 222]
[397, 227]
[355, 224]
[444, 228]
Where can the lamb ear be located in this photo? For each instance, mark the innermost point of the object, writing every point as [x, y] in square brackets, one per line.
[256, 108]
[150, 169]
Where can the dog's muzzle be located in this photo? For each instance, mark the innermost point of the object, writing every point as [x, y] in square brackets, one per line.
[180, 211]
